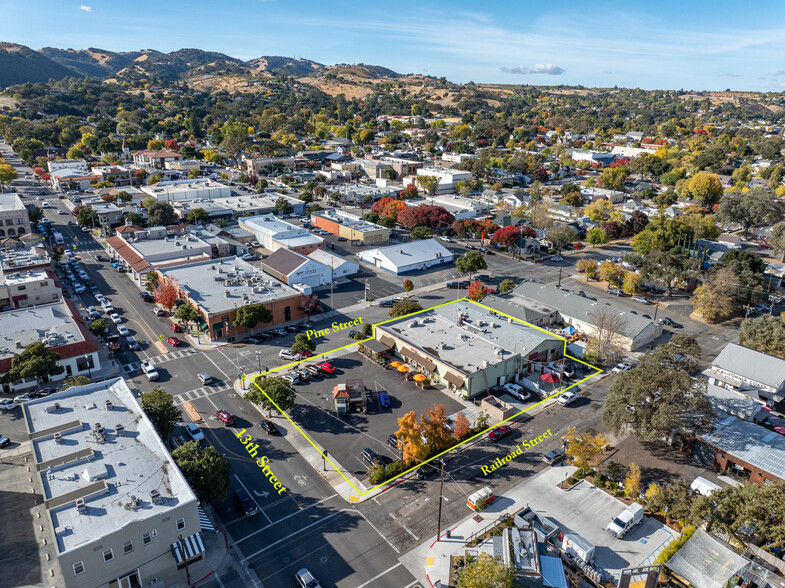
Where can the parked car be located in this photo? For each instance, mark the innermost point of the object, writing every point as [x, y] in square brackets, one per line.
[115, 318]
[314, 371]
[567, 397]
[175, 327]
[279, 332]
[270, 427]
[305, 579]
[226, 417]
[288, 355]
[146, 296]
[290, 378]
[425, 471]
[670, 323]
[615, 291]
[327, 368]
[8, 404]
[386, 303]
[370, 457]
[499, 433]
[4, 441]
[22, 398]
[245, 503]
[133, 344]
[641, 299]
[554, 456]
[265, 337]
[194, 432]
[123, 330]
[384, 399]
[621, 367]
[483, 277]
[174, 341]
[517, 391]
[392, 441]
[159, 311]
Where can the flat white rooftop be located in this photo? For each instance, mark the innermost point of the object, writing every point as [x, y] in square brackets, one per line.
[126, 459]
[11, 202]
[23, 277]
[50, 323]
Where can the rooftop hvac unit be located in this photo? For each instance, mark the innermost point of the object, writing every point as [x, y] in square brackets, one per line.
[119, 430]
[155, 497]
[227, 294]
[57, 406]
[59, 438]
[133, 504]
[81, 507]
[108, 405]
[413, 323]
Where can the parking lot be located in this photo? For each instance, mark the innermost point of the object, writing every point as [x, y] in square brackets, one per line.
[345, 438]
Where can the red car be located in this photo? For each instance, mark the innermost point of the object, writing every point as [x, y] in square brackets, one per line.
[175, 327]
[765, 245]
[174, 341]
[226, 417]
[499, 433]
[327, 368]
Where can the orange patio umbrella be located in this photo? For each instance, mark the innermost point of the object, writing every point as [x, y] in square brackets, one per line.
[420, 378]
[396, 364]
[403, 368]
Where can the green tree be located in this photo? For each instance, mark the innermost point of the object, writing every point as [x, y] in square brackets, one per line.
[205, 468]
[153, 279]
[614, 178]
[420, 233]
[428, 183]
[186, 314]
[282, 205]
[134, 218]
[278, 395]
[99, 327]
[748, 209]
[597, 236]
[197, 215]
[404, 307]
[506, 286]
[35, 214]
[160, 408]
[667, 268]
[470, 263]
[777, 239]
[705, 187]
[408, 285]
[235, 137]
[124, 196]
[303, 343]
[194, 173]
[251, 315]
[35, 362]
[485, 571]
[659, 395]
[74, 381]
[162, 214]
[560, 236]
[765, 334]
[582, 448]
[87, 217]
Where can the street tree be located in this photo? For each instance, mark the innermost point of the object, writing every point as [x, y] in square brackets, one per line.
[611, 272]
[631, 283]
[7, 174]
[589, 267]
[186, 314]
[153, 278]
[477, 291]
[420, 233]
[272, 393]
[596, 236]
[659, 395]
[428, 183]
[162, 214]
[485, 571]
[35, 362]
[470, 263]
[582, 448]
[609, 328]
[197, 215]
[560, 236]
[205, 468]
[310, 304]
[166, 293]
[777, 239]
[748, 209]
[160, 408]
[632, 482]
[404, 307]
[667, 268]
[713, 299]
[99, 327]
[74, 381]
[506, 286]
[411, 440]
[765, 334]
[303, 343]
[433, 424]
[35, 214]
[461, 426]
[251, 315]
[86, 216]
[408, 285]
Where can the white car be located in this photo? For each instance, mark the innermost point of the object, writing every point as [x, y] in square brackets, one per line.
[115, 318]
[123, 330]
[641, 299]
[445, 239]
[85, 229]
[99, 297]
[567, 397]
[622, 367]
[78, 288]
[517, 391]
[287, 354]
[8, 404]
[22, 398]
[61, 212]
[194, 432]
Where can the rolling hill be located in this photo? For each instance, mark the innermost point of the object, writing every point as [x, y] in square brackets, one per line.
[20, 64]
[93, 62]
[284, 65]
[178, 65]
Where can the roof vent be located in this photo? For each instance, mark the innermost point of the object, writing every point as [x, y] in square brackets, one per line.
[227, 294]
[59, 438]
[57, 406]
[81, 507]
[133, 504]
[155, 497]
[119, 430]
[108, 405]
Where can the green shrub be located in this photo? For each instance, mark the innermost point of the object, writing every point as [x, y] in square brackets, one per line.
[671, 548]
[571, 480]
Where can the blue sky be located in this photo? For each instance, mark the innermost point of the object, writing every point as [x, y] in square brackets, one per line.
[667, 44]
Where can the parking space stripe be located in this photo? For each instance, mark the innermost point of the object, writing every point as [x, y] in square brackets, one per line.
[376, 577]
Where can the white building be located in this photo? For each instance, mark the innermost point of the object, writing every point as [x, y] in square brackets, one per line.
[294, 269]
[340, 266]
[13, 216]
[182, 190]
[273, 233]
[448, 178]
[408, 257]
[74, 164]
[21, 289]
[181, 165]
[115, 501]
[60, 326]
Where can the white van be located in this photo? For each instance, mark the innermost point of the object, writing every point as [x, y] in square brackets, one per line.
[484, 495]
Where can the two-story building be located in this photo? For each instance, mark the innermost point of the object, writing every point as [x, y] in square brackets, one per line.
[13, 216]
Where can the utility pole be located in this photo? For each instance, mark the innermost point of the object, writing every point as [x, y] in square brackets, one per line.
[441, 498]
[559, 284]
[185, 559]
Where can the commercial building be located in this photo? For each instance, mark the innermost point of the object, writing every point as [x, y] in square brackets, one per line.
[273, 233]
[119, 175]
[583, 314]
[238, 206]
[13, 216]
[749, 372]
[339, 266]
[22, 255]
[458, 206]
[218, 288]
[360, 193]
[350, 226]
[184, 190]
[157, 159]
[60, 326]
[743, 450]
[20, 289]
[74, 164]
[297, 270]
[468, 348]
[408, 257]
[448, 178]
[115, 501]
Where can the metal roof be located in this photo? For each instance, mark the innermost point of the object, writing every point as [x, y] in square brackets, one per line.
[751, 364]
[705, 562]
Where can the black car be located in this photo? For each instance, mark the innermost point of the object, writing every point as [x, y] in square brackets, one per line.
[454, 285]
[146, 296]
[265, 337]
[4, 441]
[245, 503]
[371, 458]
[291, 328]
[670, 323]
[270, 428]
[386, 303]
[426, 471]
[483, 277]
[176, 441]
[392, 440]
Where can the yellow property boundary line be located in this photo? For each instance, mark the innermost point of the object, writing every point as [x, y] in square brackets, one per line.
[388, 482]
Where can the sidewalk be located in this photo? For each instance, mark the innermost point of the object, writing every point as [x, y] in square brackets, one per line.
[430, 562]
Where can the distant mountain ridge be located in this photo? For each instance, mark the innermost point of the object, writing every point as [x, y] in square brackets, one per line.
[20, 64]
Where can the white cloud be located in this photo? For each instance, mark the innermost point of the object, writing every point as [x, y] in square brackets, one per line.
[777, 73]
[86, 8]
[548, 69]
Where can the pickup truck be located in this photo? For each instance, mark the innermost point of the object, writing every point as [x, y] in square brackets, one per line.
[149, 371]
[619, 526]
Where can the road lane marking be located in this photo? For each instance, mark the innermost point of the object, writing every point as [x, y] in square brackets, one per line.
[251, 497]
[263, 549]
[404, 527]
[376, 577]
[286, 517]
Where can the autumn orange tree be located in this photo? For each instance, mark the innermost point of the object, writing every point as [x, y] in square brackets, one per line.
[166, 293]
[477, 291]
[434, 427]
[410, 439]
[461, 427]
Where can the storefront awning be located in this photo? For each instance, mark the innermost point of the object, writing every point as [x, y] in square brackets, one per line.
[417, 358]
[386, 340]
[376, 346]
[191, 547]
[454, 379]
